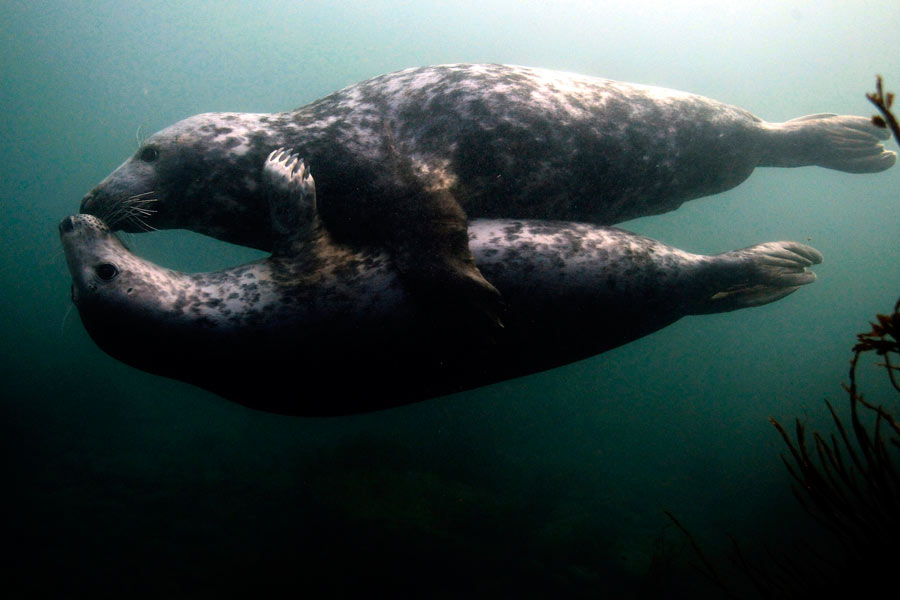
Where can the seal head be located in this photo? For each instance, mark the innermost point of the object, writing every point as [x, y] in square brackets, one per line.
[213, 158]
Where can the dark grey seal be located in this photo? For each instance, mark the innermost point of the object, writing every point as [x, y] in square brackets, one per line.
[320, 328]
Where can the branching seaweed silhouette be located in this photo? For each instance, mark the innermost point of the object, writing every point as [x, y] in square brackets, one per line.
[883, 103]
[849, 482]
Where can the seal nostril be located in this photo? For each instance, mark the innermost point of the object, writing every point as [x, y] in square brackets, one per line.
[67, 225]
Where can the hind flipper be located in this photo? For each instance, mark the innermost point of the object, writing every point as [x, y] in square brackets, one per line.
[840, 142]
[759, 275]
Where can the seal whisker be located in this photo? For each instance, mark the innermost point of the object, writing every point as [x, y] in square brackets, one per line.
[140, 136]
[117, 217]
[111, 216]
[132, 210]
[142, 200]
[62, 326]
[136, 216]
[144, 195]
[139, 210]
[137, 221]
[143, 224]
[108, 209]
[143, 211]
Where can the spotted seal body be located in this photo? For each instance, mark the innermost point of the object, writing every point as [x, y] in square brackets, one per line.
[344, 317]
[487, 141]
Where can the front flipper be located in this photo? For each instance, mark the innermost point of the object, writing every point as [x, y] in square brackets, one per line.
[292, 200]
[427, 234]
[430, 246]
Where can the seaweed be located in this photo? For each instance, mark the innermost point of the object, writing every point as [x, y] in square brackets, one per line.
[883, 103]
[849, 481]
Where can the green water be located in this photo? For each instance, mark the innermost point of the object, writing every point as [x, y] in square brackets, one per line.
[122, 484]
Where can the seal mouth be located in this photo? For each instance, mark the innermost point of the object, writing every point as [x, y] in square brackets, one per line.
[74, 294]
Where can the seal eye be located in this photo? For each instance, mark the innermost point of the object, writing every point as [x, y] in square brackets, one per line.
[149, 154]
[106, 271]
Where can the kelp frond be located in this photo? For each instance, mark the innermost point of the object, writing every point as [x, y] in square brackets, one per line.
[883, 103]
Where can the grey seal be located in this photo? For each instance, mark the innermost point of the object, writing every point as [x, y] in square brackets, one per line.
[322, 328]
[483, 141]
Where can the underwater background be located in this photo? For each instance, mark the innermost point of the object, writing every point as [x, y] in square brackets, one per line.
[118, 483]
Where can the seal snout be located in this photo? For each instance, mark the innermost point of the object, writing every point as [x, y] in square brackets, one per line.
[87, 202]
[83, 223]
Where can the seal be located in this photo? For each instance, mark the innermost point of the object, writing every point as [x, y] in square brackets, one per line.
[483, 141]
[316, 309]
[487, 140]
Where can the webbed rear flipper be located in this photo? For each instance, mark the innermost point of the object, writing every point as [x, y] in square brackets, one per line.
[840, 142]
[759, 275]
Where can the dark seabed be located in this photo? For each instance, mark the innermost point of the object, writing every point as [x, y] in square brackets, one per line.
[121, 484]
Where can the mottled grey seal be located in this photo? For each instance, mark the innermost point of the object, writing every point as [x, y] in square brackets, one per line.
[316, 309]
[487, 141]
